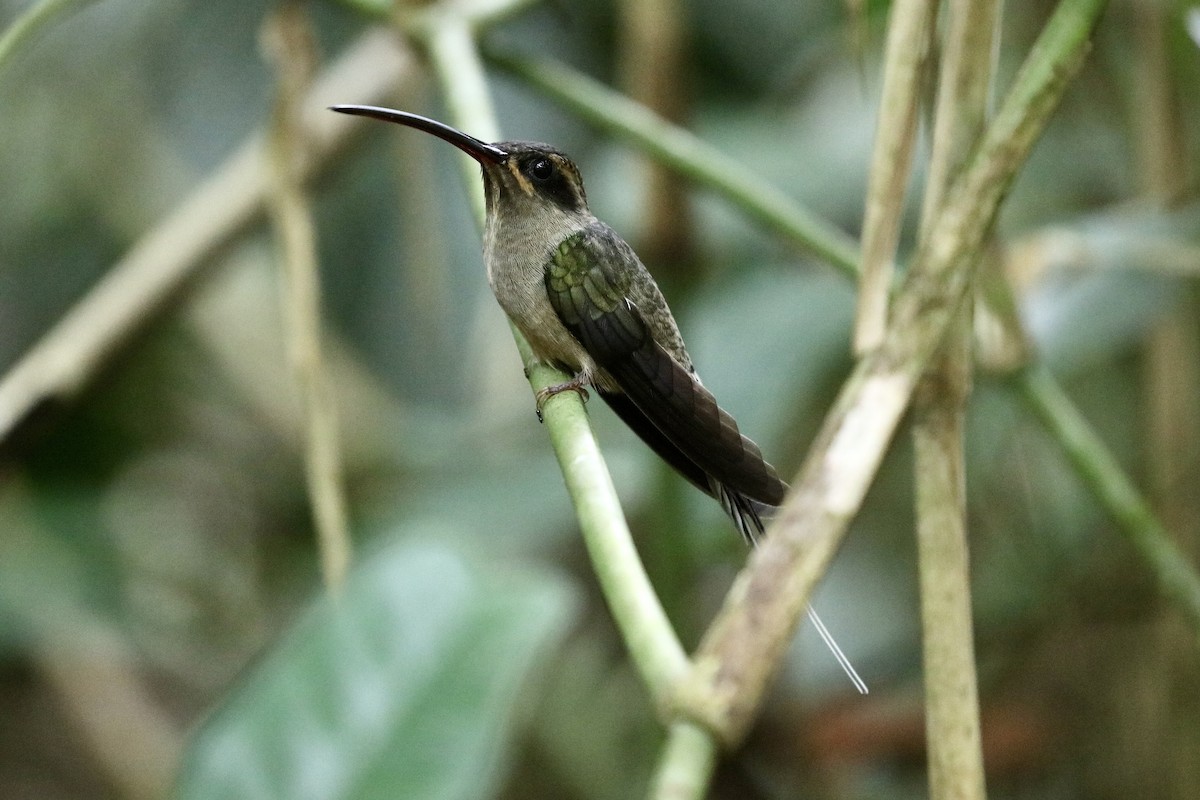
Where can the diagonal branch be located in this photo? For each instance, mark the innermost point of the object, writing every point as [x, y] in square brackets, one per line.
[157, 270]
[708, 167]
[1173, 573]
[690, 156]
[745, 644]
[910, 37]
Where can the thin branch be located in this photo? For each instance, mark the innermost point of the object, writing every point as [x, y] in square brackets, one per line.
[1175, 576]
[652, 59]
[421, 19]
[95, 674]
[157, 270]
[952, 727]
[1115, 240]
[911, 25]
[288, 42]
[652, 642]
[1172, 373]
[1135, 238]
[745, 644]
[690, 156]
[1159, 134]
[639, 615]
[964, 95]
[687, 763]
[939, 409]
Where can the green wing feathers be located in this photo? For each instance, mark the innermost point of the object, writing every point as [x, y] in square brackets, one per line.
[593, 298]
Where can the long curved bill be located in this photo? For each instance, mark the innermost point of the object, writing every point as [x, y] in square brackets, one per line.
[481, 151]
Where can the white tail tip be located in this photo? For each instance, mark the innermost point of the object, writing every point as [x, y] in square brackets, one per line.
[843, 662]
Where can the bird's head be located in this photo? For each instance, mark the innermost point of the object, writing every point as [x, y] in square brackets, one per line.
[517, 176]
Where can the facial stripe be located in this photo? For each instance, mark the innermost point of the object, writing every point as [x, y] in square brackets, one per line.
[522, 181]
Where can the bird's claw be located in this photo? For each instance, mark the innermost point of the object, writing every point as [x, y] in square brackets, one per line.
[576, 384]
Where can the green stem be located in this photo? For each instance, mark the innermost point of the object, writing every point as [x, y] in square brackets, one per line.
[455, 61]
[907, 55]
[690, 156]
[652, 642]
[687, 764]
[1176, 577]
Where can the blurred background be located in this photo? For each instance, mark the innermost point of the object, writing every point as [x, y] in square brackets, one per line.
[159, 587]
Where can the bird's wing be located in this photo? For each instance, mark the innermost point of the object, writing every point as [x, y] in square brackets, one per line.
[591, 298]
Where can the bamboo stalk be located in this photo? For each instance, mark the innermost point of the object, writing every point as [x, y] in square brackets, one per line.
[910, 36]
[745, 644]
[955, 752]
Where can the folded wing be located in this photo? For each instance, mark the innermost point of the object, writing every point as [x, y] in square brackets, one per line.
[668, 407]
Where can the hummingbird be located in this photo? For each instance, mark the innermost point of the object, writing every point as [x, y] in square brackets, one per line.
[586, 304]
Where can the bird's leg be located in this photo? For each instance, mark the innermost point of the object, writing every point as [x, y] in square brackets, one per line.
[577, 384]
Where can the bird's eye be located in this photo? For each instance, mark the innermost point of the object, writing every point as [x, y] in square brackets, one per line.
[541, 169]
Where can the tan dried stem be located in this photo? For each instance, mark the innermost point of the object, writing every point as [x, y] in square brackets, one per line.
[289, 44]
[158, 269]
[952, 728]
[653, 61]
[911, 25]
[745, 644]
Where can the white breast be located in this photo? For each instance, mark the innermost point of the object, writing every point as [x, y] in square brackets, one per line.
[517, 247]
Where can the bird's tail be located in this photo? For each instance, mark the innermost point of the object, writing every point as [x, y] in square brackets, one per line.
[746, 512]
[748, 515]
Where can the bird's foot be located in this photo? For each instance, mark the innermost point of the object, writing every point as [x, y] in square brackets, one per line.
[577, 384]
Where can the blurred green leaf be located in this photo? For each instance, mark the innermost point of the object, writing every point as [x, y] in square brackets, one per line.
[1079, 320]
[405, 687]
[376, 8]
[33, 22]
